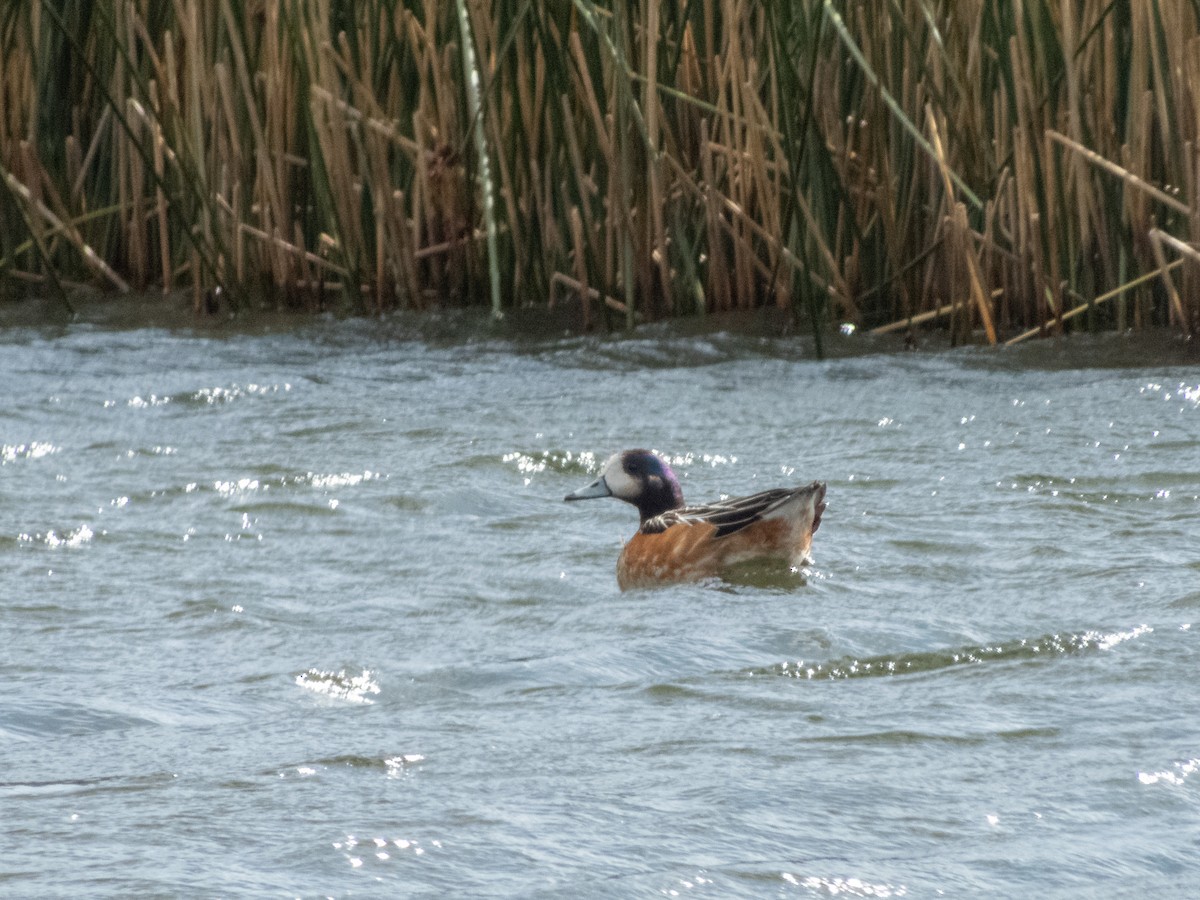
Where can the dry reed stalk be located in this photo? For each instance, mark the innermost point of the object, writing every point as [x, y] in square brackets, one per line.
[334, 138]
[284, 102]
[44, 280]
[887, 206]
[73, 160]
[118, 88]
[918, 319]
[190, 100]
[161, 215]
[1193, 190]
[581, 276]
[584, 185]
[372, 121]
[656, 200]
[1073, 112]
[421, 210]
[68, 230]
[1126, 176]
[737, 227]
[440, 186]
[307, 269]
[138, 237]
[771, 188]
[431, 250]
[623, 113]
[600, 129]
[722, 224]
[987, 262]
[374, 164]
[1051, 202]
[1159, 239]
[406, 261]
[837, 281]
[296, 250]
[729, 132]
[236, 238]
[529, 112]
[589, 292]
[1027, 215]
[957, 215]
[36, 40]
[717, 269]
[102, 131]
[1103, 298]
[377, 208]
[1137, 203]
[43, 191]
[1160, 90]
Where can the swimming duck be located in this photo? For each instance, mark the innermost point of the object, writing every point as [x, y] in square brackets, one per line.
[687, 543]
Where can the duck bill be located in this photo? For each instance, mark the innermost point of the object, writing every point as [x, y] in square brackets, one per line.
[598, 488]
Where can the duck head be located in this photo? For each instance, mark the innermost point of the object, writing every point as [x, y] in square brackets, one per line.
[638, 477]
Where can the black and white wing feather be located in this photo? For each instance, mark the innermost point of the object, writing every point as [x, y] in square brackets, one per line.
[728, 516]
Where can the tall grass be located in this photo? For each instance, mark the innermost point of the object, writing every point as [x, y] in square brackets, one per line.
[998, 167]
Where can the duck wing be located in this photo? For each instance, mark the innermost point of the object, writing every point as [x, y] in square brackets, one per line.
[728, 516]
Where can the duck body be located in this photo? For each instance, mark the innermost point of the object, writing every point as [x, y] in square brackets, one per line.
[676, 542]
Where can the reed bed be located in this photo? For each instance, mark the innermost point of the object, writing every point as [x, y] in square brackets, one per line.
[998, 169]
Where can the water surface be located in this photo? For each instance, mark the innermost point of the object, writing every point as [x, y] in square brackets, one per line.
[300, 612]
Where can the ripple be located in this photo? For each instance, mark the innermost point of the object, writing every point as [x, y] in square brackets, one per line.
[140, 402]
[250, 484]
[398, 766]
[586, 462]
[1050, 645]
[29, 720]
[699, 881]
[208, 396]
[340, 685]
[904, 737]
[156, 450]
[337, 480]
[214, 395]
[1182, 391]
[69, 540]
[1178, 774]
[241, 486]
[81, 787]
[844, 887]
[72, 539]
[1134, 487]
[377, 850]
[10, 453]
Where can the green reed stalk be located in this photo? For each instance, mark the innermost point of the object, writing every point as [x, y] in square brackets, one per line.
[474, 107]
[624, 101]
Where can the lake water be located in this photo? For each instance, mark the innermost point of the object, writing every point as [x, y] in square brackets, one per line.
[299, 611]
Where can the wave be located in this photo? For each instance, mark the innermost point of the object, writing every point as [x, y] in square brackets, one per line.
[1017, 650]
[340, 685]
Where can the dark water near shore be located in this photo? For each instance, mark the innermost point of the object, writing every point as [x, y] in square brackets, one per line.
[300, 612]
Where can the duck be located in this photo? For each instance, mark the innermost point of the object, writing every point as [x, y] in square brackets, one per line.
[679, 543]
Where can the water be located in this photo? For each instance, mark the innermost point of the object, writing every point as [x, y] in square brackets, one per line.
[301, 612]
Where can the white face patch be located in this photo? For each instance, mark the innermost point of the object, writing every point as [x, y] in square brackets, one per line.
[618, 480]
